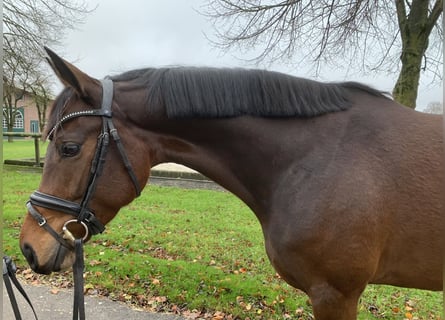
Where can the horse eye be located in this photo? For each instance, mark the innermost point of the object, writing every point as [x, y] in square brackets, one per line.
[69, 149]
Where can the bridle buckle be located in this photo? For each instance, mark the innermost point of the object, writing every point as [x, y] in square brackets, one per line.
[42, 221]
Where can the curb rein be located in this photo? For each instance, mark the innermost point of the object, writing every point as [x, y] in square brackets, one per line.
[84, 216]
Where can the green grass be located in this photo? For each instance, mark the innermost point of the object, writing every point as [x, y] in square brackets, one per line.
[22, 149]
[175, 249]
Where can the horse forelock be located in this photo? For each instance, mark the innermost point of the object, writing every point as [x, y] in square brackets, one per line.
[58, 109]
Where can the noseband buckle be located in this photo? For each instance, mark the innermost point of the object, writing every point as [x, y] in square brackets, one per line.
[41, 222]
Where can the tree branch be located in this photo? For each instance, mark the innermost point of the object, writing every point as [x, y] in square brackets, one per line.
[434, 15]
[401, 16]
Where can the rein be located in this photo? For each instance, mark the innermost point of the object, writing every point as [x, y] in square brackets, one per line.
[9, 270]
[82, 213]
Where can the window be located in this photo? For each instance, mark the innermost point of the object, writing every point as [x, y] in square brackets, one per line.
[5, 124]
[18, 123]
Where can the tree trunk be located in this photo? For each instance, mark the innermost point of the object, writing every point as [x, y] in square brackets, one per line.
[415, 28]
[406, 88]
[10, 128]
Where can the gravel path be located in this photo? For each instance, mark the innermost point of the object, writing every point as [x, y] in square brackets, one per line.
[59, 306]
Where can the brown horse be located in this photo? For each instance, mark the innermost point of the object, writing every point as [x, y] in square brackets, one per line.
[343, 180]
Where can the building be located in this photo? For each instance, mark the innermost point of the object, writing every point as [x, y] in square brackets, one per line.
[26, 118]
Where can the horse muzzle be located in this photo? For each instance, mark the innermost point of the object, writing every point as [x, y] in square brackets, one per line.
[57, 259]
[52, 250]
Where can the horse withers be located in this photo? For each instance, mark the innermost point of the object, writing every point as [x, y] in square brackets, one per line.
[343, 180]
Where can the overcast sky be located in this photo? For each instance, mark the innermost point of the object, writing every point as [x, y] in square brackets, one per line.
[123, 35]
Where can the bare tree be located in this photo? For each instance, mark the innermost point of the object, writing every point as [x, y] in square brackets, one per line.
[42, 98]
[32, 24]
[368, 35]
[17, 75]
[416, 22]
[27, 26]
[434, 107]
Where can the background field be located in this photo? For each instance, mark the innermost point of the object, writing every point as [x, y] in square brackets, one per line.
[195, 252]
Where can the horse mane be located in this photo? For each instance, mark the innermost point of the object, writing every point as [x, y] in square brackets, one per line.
[192, 92]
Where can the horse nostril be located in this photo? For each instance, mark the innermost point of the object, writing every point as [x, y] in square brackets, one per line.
[30, 256]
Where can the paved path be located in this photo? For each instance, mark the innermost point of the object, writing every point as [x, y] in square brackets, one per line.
[173, 167]
[176, 175]
[59, 306]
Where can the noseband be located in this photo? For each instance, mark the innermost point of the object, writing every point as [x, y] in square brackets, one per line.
[83, 214]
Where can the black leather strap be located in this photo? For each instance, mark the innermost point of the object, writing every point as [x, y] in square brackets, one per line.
[9, 270]
[44, 200]
[95, 171]
[107, 97]
[125, 160]
[42, 223]
[78, 268]
[55, 203]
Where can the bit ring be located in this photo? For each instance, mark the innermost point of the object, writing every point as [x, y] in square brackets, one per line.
[67, 233]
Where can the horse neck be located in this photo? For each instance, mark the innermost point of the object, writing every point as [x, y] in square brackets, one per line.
[245, 155]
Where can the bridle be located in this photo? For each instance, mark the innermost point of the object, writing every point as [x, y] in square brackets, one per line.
[84, 216]
[81, 211]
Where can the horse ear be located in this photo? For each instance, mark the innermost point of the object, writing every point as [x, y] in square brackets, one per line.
[86, 86]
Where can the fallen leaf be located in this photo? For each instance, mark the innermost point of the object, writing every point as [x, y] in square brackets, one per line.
[95, 262]
[408, 315]
[299, 311]
[218, 315]
[161, 299]
[396, 310]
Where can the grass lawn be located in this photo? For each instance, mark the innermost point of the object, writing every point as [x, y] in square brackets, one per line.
[190, 252]
[22, 149]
